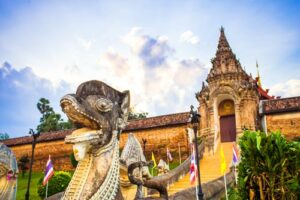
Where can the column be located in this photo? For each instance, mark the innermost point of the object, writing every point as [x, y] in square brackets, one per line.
[239, 131]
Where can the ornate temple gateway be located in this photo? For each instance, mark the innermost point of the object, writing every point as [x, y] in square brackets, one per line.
[229, 102]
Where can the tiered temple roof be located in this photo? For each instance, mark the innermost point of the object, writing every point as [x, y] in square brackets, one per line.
[225, 61]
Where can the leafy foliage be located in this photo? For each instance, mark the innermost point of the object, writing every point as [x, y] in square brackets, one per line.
[23, 164]
[74, 162]
[58, 183]
[233, 194]
[269, 167]
[50, 121]
[132, 115]
[4, 136]
[135, 115]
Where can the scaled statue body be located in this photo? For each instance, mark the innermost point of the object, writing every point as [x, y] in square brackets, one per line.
[100, 113]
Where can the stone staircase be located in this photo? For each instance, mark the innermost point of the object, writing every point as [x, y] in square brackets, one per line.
[209, 169]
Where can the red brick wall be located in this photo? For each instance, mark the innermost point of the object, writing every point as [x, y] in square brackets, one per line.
[59, 151]
[287, 123]
[158, 139]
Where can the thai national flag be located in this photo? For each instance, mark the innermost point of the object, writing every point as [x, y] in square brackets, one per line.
[48, 172]
[235, 158]
[193, 168]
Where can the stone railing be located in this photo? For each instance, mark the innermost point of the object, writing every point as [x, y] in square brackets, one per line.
[205, 132]
[212, 190]
[175, 174]
[208, 137]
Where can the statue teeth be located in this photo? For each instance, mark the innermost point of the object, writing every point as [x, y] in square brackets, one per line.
[77, 109]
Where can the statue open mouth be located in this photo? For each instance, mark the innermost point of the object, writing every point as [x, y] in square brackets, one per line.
[80, 116]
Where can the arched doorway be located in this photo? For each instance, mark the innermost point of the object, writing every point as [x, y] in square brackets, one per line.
[227, 121]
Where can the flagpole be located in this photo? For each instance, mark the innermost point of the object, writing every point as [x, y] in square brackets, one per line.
[197, 192]
[225, 186]
[47, 190]
[179, 154]
[197, 196]
[167, 156]
[168, 161]
[235, 161]
[235, 175]
[47, 183]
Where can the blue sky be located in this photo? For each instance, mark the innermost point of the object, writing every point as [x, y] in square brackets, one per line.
[159, 50]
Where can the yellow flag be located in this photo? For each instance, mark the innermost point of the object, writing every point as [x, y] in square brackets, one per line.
[258, 77]
[153, 158]
[223, 161]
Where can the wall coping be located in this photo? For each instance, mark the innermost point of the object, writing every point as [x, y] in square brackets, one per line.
[134, 125]
[282, 105]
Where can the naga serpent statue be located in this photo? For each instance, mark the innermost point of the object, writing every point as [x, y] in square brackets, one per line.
[99, 113]
[8, 173]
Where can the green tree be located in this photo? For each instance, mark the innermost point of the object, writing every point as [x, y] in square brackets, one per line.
[50, 121]
[74, 162]
[134, 115]
[44, 107]
[23, 164]
[4, 136]
[269, 167]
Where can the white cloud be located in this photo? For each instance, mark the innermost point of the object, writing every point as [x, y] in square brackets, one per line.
[85, 43]
[72, 46]
[153, 51]
[287, 89]
[20, 91]
[189, 37]
[166, 88]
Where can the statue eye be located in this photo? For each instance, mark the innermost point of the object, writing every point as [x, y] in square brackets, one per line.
[104, 105]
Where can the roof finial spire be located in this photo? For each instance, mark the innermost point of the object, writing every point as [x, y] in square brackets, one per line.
[258, 76]
[223, 43]
[222, 29]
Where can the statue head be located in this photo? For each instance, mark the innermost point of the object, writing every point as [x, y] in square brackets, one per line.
[96, 110]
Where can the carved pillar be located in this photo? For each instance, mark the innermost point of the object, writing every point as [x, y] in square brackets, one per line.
[255, 103]
[203, 120]
[211, 120]
[209, 140]
[238, 121]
